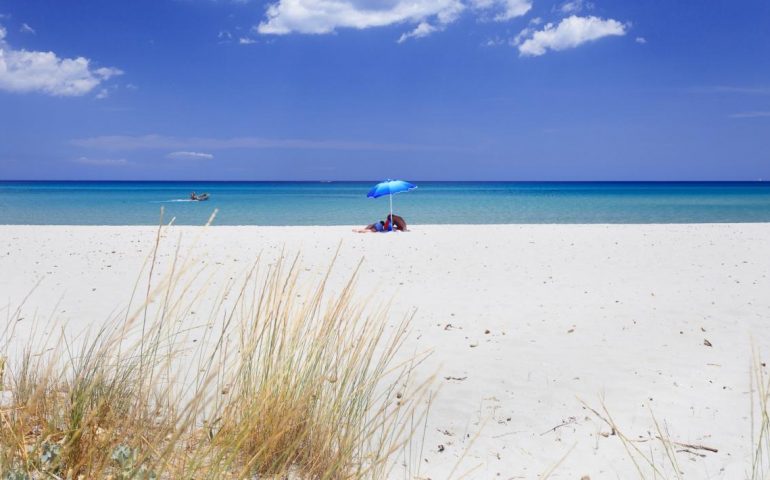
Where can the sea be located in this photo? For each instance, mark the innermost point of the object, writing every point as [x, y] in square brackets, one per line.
[346, 203]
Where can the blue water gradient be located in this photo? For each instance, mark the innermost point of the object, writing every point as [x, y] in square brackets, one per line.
[345, 203]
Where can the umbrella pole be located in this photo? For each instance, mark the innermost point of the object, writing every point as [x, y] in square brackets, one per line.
[391, 212]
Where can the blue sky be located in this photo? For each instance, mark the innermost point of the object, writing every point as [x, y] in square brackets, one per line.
[368, 89]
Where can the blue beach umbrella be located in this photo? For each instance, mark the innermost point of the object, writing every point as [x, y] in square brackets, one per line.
[390, 188]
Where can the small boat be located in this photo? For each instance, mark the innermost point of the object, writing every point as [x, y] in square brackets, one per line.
[199, 198]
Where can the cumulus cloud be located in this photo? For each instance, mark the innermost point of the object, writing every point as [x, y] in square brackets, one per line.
[640, 40]
[325, 16]
[25, 71]
[103, 162]
[190, 156]
[426, 16]
[27, 29]
[569, 33]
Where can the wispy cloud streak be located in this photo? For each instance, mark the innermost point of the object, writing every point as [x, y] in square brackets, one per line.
[190, 156]
[162, 142]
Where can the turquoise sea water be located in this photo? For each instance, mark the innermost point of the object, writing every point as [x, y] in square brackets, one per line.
[345, 203]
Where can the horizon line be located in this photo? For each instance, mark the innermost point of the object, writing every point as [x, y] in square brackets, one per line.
[375, 180]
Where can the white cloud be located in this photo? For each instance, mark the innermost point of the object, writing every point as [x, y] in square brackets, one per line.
[31, 71]
[190, 156]
[569, 33]
[423, 29]
[750, 115]
[640, 40]
[514, 8]
[103, 162]
[27, 29]
[424, 16]
[575, 6]
[246, 41]
[325, 16]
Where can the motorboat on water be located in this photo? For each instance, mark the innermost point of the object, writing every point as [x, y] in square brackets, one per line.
[199, 197]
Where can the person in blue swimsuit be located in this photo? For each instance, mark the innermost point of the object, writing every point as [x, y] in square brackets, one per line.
[375, 227]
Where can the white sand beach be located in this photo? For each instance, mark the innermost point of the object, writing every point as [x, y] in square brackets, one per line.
[523, 321]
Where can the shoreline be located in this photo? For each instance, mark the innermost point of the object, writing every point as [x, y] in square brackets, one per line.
[521, 319]
[411, 227]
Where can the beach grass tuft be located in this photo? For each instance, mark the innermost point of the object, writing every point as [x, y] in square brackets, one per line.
[282, 379]
[760, 420]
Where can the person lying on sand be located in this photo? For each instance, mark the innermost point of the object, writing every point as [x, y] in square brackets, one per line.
[399, 224]
[374, 227]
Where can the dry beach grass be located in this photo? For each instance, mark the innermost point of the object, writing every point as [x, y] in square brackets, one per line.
[280, 382]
